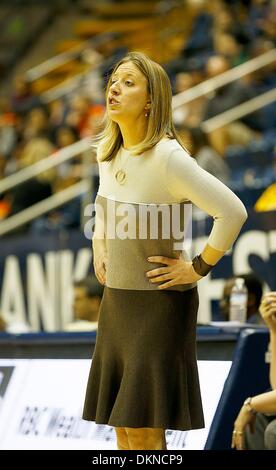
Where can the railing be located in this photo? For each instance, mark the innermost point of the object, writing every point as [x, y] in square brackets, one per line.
[84, 187]
[72, 83]
[224, 78]
[66, 87]
[239, 111]
[40, 208]
[82, 146]
[49, 162]
[65, 57]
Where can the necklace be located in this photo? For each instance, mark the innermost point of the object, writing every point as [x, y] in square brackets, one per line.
[120, 174]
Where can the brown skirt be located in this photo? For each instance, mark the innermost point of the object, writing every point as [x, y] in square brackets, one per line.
[144, 369]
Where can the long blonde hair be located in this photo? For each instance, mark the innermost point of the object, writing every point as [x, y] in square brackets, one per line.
[160, 121]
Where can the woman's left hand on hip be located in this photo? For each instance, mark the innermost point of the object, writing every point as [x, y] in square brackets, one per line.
[177, 271]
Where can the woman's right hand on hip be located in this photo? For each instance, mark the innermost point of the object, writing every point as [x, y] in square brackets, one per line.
[100, 260]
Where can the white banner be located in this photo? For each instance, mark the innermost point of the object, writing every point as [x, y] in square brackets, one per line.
[41, 405]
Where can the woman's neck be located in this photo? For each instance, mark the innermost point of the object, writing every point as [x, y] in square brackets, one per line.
[133, 135]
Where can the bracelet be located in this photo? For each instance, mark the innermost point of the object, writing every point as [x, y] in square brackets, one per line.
[200, 267]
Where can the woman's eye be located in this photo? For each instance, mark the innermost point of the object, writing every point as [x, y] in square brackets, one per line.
[128, 82]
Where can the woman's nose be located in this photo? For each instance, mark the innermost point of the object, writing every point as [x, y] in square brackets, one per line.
[114, 89]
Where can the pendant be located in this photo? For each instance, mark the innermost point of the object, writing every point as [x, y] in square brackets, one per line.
[120, 176]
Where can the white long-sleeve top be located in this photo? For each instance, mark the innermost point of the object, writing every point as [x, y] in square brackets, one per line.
[167, 174]
[136, 204]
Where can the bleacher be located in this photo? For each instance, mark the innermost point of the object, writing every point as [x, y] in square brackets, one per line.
[19, 27]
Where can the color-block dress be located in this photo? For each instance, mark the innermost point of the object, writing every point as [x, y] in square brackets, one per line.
[144, 368]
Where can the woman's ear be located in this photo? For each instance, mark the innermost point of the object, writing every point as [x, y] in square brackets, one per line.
[148, 105]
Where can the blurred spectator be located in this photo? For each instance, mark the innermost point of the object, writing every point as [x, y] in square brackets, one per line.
[255, 291]
[113, 53]
[227, 46]
[223, 34]
[87, 298]
[57, 112]
[195, 50]
[64, 217]
[7, 128]
[220, 21]
[229, 21]
[23, 99]
[189, 114]
[263, 79]
[260, 19]
[84, 116]
[38, 188]
[33, 152]
[268, 24]
[37, 124]
[206, 156]
[2, 165]
[65, 135]
[223, 99]
[255, 425]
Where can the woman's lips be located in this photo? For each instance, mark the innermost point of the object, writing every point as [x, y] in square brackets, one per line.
[113, 102]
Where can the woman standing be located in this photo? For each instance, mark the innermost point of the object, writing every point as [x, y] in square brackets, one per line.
[144, 379]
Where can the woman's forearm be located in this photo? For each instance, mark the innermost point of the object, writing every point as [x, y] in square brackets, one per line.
[211, 255]
[265, 402]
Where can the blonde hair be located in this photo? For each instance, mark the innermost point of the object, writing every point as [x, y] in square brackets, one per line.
[160, 121]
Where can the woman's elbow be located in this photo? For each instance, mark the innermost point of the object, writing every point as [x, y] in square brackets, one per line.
[238, 215]
[242, 214]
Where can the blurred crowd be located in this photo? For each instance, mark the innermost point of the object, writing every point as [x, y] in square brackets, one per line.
[229, 35]
[232, 34]
[32, 130]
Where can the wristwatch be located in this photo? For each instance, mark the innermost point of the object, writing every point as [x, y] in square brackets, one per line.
[248, 405]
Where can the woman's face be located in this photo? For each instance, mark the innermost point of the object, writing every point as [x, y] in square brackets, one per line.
[128, 94]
